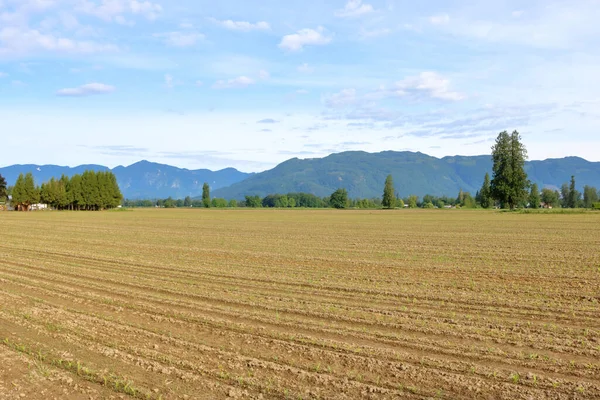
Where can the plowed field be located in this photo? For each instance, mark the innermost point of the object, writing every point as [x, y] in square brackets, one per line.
[292, 304]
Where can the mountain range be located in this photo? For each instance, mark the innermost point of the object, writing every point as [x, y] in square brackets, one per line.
[142, 180]
[361, 173]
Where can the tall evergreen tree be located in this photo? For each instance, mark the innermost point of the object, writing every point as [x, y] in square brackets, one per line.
[206, 195]
[534, 196]
[389, 199]
[573, 194]
[3, 188]
[485, 198]
[509, 183]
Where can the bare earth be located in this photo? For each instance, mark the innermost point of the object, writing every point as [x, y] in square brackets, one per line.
[297, 304]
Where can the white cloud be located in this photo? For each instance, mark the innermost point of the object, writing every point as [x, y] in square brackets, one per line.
[181, 39]
[441, 19]
[236, 83]
[354, 8]
[86, 90]
[302, 91]
[243, 26]
[3, 74]
[263, 75]
[109, 10]
[268, 121]
[305, 68]
[121, 20]
[364, 33]
[429, 84]
[556, 25]
[199, 83]
[304, 37]
[343, 98]
[15, 40]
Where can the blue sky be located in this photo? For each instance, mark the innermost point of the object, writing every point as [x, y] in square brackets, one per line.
[249, 84]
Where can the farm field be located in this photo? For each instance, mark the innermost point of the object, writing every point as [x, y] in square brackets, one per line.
[299, 304]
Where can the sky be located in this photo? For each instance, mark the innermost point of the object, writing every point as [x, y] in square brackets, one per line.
[251, 83]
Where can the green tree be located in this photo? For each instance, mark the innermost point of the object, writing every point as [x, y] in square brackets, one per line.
[551, 198]
[291, 202]
[90, 190]
[399, 203]
[169, 203]
[464, 199]
[389, 199]
[116, 197]
[18, 194]
[413, 201]
[485, 195]
[564, 195]
[219, 203]
[534, 196]
[75, 192]
[187, 202]
[232, 203]
[25, 193]
[253, 201]
[206, 195]
[339, 199]
[468, 201]
[460, 199]
[590, 196]
[573, 195]
[3, 189]
[509, 183]
[63, 194]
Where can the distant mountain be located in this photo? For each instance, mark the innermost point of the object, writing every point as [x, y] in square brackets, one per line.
[144, 179]
[363, 174]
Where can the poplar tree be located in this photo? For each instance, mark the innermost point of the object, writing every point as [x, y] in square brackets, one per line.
[534, 197]
[389, 199]
[590, 196]
[573, 195]
[206, 195]
[25, 193]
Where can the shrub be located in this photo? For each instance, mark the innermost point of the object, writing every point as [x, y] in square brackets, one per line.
[596, 206]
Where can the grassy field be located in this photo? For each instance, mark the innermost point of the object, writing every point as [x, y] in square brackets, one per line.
[209, 304]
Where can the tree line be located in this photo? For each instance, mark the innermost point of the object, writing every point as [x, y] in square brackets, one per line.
[89, 191]
[508, 187]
